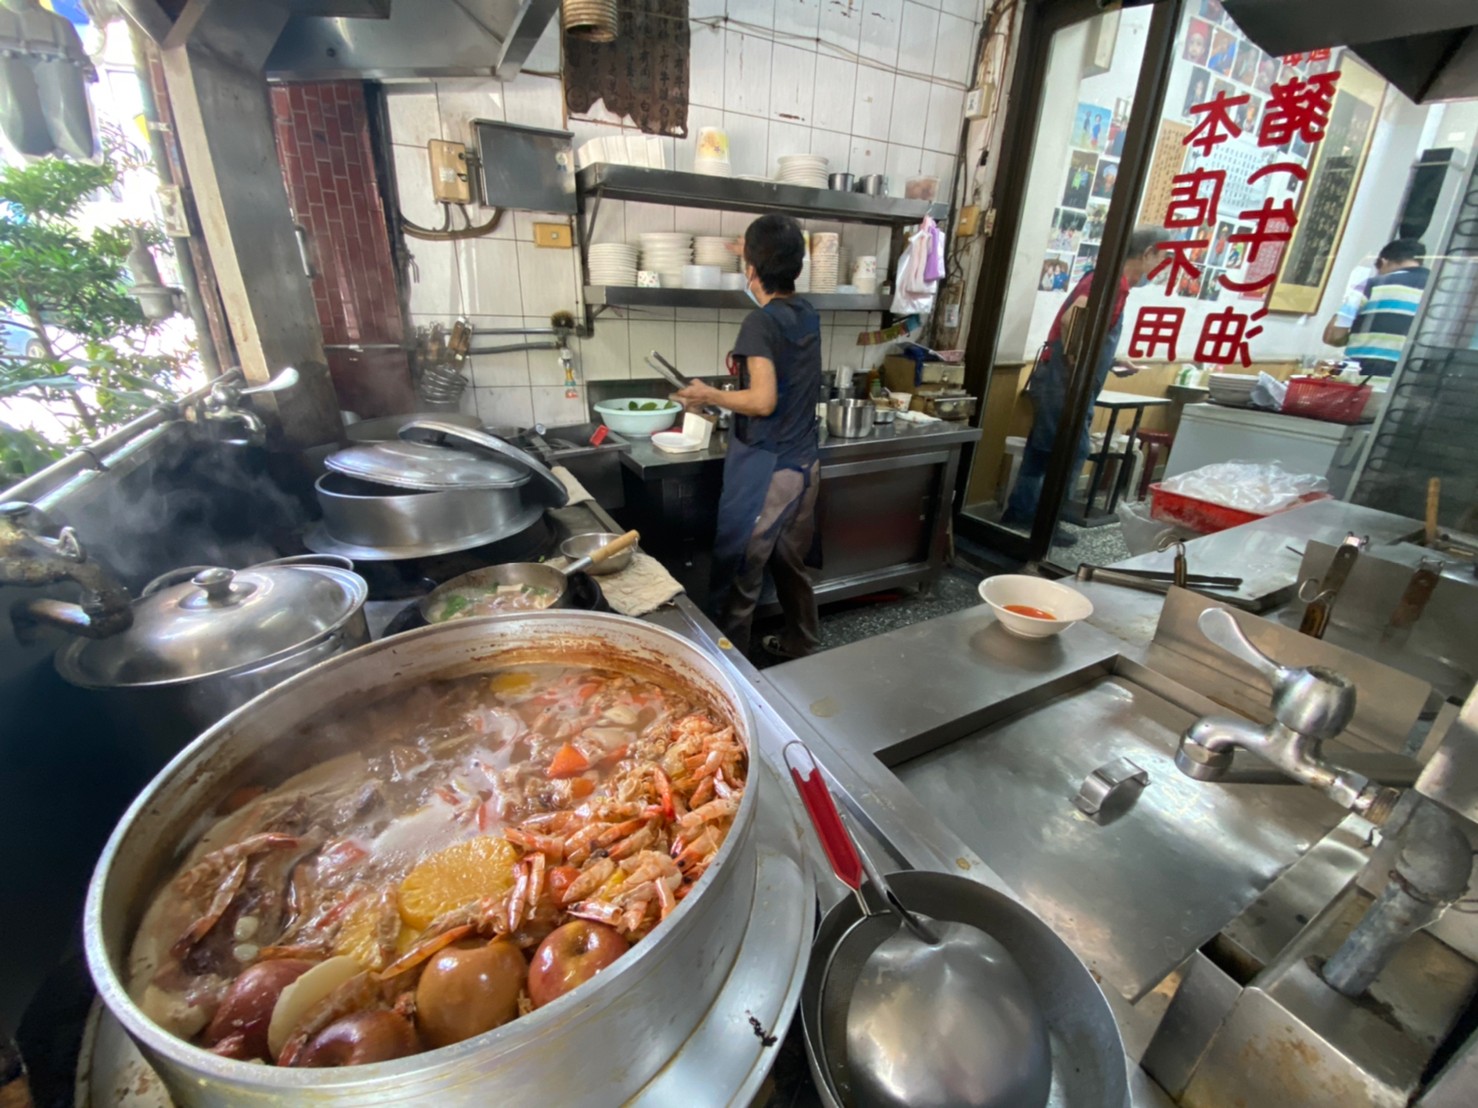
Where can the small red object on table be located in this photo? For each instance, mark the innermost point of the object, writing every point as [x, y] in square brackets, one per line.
[600, 435]
[1325, 398]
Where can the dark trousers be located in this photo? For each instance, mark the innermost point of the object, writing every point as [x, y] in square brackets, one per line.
[780, 541]
[1021, 508]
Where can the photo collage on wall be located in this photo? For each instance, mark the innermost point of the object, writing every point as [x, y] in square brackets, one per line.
[1097, 142]
[1215, 58]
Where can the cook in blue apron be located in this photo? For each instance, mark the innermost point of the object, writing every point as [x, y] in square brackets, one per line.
[1050, 378]
[767, 511]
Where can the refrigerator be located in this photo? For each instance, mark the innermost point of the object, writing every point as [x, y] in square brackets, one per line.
[1211, 433]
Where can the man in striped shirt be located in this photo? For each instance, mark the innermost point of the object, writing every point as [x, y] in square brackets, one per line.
[1373, 323]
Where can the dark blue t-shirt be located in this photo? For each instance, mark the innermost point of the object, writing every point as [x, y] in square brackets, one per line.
[787, 331]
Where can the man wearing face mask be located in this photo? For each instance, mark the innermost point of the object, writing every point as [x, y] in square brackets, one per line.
[1050, 377]
[767, 511]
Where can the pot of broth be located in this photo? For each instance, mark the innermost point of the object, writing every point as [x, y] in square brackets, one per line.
[495, 856]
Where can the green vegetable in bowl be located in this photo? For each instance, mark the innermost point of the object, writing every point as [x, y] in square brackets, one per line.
[648, 405]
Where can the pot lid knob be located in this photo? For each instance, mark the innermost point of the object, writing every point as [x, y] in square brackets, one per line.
[217, 585]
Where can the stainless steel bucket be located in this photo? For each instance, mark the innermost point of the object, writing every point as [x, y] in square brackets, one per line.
[849, 419]
[597, 1046]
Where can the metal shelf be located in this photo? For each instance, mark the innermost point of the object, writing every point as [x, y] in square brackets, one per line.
[696, 190]
[625, 296]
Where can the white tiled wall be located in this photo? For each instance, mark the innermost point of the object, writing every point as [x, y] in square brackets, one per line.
[875, 85]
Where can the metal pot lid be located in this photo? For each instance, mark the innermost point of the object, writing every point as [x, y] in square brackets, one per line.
[219, 621]
[427, 468]
[480, 444]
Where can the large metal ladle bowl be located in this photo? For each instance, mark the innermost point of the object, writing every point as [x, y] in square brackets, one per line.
[932, 1013]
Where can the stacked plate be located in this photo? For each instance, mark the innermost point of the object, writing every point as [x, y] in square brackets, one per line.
[803, 169]
[612, 263]
[665, 253]
[1234, 390]
[825, 260]
[714, 250]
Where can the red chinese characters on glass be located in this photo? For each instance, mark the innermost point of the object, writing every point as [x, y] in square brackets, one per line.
[1272, 223]
[1298, 109]
[1155, 327]
[1225, 336]
[1195, 197]
[1185, 260]
[1215, 124]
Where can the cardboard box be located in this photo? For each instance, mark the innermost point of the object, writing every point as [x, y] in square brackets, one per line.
[898, 373]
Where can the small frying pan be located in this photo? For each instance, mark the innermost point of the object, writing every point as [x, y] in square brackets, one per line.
[534, 575]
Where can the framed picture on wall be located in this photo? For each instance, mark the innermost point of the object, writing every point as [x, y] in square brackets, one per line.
[1198, 89]
[1223, 53]
[1087, 258]
[1091, 127]
[1105, 179]
[1197, 44]
[1081, 166]
[1324, 203]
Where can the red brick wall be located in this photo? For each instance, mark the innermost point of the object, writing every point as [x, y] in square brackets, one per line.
[323, 143]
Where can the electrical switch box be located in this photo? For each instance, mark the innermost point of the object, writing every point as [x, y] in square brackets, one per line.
[451, 183]
[978, 101]
[968, 223]
[557, 235]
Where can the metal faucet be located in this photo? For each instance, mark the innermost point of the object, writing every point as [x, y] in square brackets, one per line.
[1310, 704]
[223, 404]
[30, 558]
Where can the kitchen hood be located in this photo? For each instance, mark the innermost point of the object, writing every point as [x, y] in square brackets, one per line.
[1428, 49]
[324, 40]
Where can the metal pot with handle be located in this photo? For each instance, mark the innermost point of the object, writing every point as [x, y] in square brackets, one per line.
[449, 600]
[202, 646]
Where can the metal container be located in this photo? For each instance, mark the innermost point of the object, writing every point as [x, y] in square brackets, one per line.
[365, 514]
[199, 649]
[950, 407]
[582, 546]
[842, 182]
[873, 184]
[597, 1046]
[1089, 1068]
[881, 413]
[849, 419]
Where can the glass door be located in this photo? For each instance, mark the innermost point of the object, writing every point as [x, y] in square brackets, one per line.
[1084, 95]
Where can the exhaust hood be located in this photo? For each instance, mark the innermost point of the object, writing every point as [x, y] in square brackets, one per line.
[1427, 49]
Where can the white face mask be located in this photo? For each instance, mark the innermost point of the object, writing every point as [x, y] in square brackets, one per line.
[749, 291]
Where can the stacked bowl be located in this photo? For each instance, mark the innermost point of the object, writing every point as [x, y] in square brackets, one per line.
[803, 169]
[612, 263]
[714, 250]
[1234, 390]
[665, 253]
[825, 259]
[700, 277]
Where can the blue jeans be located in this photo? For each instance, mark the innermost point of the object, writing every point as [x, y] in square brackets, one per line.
[1027, 492]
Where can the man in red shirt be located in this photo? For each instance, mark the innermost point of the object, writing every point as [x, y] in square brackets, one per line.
[1049, 381]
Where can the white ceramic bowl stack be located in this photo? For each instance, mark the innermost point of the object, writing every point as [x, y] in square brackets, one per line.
[700, 277]
[803, 169]
[825, 257]
[612, 263]
[714, 250]
[1232, 389]
[665, 253]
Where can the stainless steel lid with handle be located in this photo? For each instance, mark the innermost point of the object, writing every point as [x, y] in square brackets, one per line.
[219, 621]
[550, 489]
[425, 467]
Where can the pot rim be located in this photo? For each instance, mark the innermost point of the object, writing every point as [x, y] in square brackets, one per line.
[65, 658]
[207, 1066]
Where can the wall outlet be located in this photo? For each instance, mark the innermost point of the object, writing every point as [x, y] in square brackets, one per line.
[968, 222]
[556, 235]
[450, 181]
[978, 101]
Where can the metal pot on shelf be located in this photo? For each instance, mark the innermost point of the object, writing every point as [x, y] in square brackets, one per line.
[199, 648]
[602, 1047]
[849, 419]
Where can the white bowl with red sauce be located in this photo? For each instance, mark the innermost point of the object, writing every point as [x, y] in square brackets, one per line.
[1034, 607]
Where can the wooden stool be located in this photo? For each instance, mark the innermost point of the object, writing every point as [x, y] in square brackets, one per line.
[1151, 443]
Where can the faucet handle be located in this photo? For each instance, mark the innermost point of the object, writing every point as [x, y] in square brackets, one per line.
[1218, 625]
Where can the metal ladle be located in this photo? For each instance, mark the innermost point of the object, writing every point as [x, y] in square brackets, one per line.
[933, 1012]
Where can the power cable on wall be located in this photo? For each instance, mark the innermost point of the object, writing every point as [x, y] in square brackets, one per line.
[446, 232]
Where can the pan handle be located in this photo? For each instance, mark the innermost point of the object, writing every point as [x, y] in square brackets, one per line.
[615, 546]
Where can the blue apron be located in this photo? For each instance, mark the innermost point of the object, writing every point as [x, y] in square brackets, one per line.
[758, 447]
[1049, 393]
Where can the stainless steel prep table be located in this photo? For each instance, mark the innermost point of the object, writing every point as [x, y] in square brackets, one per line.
[883, 512]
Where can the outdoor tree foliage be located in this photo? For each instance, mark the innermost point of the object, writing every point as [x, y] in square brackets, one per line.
[90, 360]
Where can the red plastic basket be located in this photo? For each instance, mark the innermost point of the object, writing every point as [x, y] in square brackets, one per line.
[1329, 400]
[1203, 515]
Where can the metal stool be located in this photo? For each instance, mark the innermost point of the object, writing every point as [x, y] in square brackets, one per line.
[1151, 443]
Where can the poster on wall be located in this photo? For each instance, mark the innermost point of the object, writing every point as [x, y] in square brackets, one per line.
[1198, 91]
[1091, 126]
[1249, 57]
[1223, 53]
[1087, 258]
[1097, 218]
[1055, 272]
[1165, 163]
[1067, 231]
[1330, 190]
[1105, 179]
[1118, 126]
[1212, 11]
[1081, 166]
[1197, 42]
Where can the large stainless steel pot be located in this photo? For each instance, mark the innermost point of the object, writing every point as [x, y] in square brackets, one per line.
[199, 648]
[365, 514]
[597, 1046]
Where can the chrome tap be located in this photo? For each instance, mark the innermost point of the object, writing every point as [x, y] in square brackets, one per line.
[30, 558]
[1310, 704]
[223, 404]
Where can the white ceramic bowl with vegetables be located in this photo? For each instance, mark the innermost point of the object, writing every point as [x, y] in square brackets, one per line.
[638, 415]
